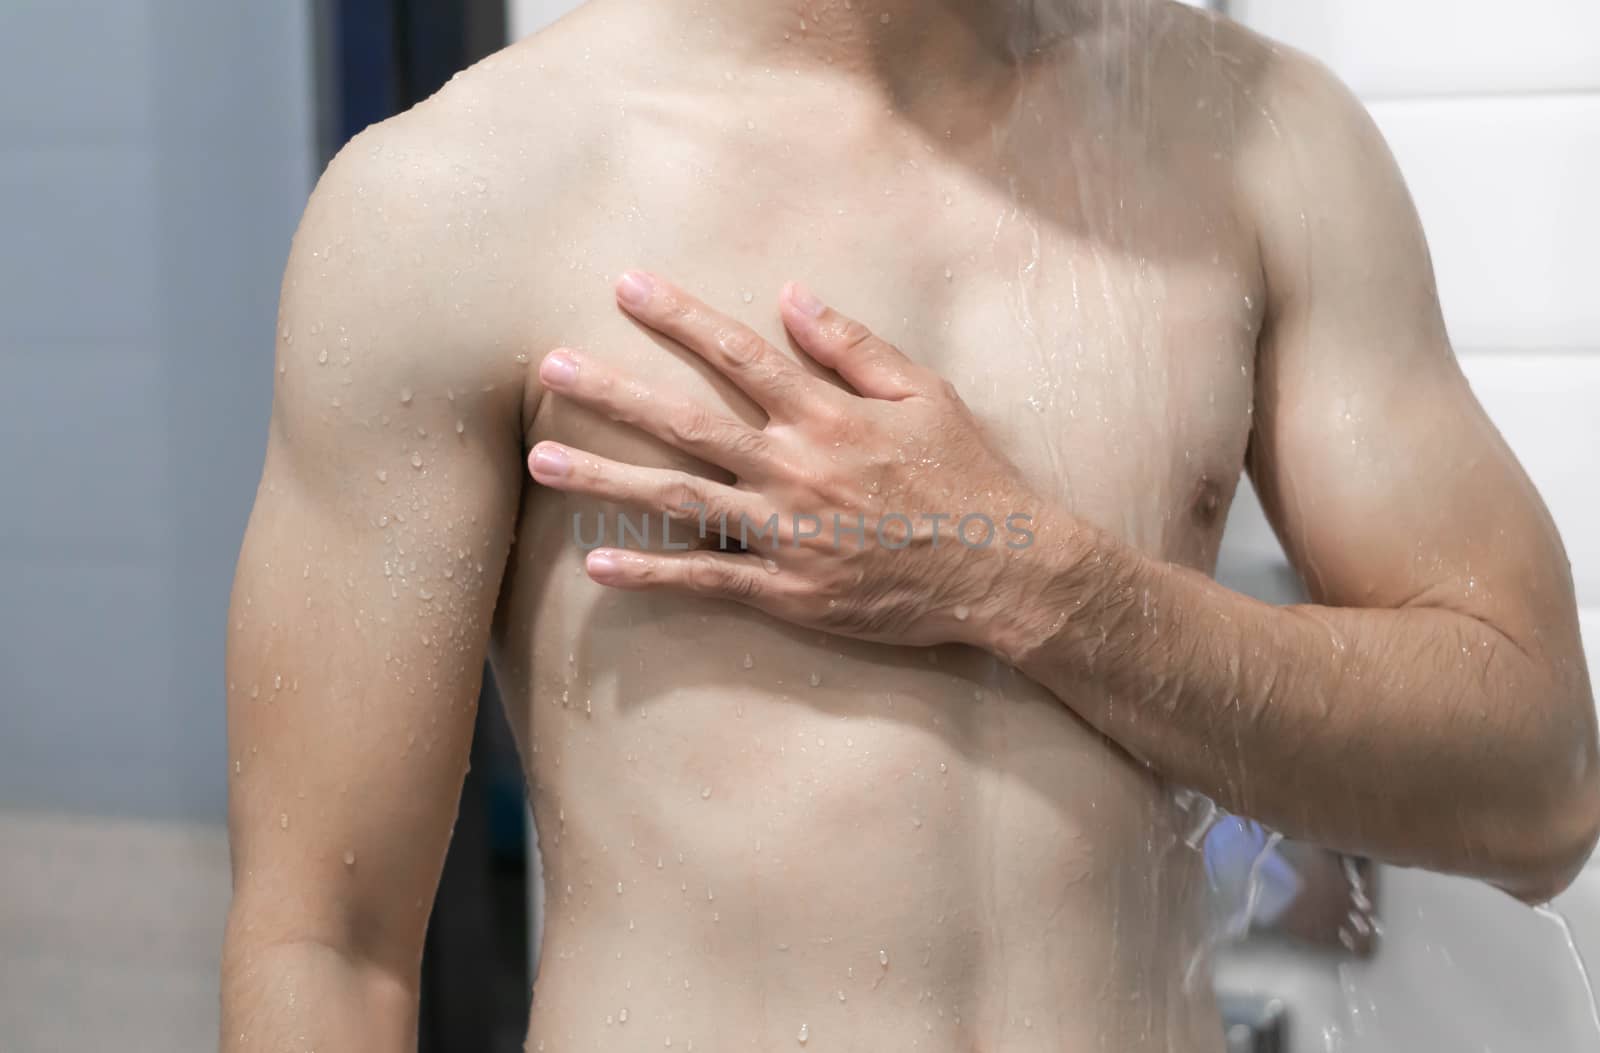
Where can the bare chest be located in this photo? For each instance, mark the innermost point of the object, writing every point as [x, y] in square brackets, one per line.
[1108, 346]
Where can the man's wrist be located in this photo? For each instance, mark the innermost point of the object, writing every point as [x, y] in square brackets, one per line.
[1036, 589]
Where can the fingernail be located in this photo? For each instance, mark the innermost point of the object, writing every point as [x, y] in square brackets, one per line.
[602, 564]
[551, 461]
[558, 369]
[804, 300]
[634, 289]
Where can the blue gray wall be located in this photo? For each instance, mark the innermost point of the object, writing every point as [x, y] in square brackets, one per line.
[154, 158]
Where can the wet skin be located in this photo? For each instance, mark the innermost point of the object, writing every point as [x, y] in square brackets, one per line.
[1138, 249]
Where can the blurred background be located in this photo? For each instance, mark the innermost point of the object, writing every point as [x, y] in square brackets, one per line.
[154, 159]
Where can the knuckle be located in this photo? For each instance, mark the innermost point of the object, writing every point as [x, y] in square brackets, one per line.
[780, 382]
[747, 442]
[682, 494]
[705, 574]
[741, 347]
[855, 336]
[693, 426]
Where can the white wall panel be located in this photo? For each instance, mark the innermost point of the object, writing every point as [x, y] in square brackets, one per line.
[1544, 405]
[1506, 190]
[1429, 47]
[530, 16]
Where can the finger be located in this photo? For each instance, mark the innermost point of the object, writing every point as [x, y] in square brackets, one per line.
[677, 495]
[713, 575]
[712, 437]
[874, 367]
[773, 380]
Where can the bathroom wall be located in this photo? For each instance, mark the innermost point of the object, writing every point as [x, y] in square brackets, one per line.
[528, 16]
[154, 157]
[1494, 114]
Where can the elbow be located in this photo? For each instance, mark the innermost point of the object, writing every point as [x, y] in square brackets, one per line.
[1548, 838]
[1566, 841]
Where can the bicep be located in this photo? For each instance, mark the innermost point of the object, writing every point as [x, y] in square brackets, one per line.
[1383, 476]
[350, 708]
[360, 615]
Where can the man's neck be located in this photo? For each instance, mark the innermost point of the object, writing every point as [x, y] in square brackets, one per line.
[903, 44]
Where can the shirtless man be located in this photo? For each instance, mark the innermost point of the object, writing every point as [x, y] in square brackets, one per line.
[869, 799]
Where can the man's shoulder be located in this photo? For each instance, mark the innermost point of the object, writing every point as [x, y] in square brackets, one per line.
[434, 215]
[498, 135]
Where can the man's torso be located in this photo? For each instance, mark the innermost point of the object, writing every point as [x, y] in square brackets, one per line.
[758, 835]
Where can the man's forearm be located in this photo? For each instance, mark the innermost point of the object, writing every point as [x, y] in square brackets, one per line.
[1419, 736]
[300, 994]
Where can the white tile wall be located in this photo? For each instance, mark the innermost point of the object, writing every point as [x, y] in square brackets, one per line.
[1544, 404]
[1506, 190]
[530, 16]
[1429, 47]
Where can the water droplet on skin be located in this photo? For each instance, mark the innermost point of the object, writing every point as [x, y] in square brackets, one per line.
[619, 888]
[322, 357]
[283, 821]
[885, 18]
[771, 565]
[349, 857]
[815, 679]
[962, 613]
[406, 396]
[749, 662]
[750, 297]
[705, 793]
[805, 1032]
[949, 275]
[461, 427]
[416, 460]
[622, 1016]
[883, 959]
[383, 476]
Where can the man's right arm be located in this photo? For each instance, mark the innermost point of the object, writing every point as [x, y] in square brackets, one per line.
[361, 609]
